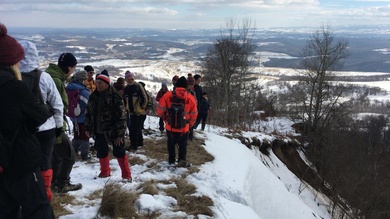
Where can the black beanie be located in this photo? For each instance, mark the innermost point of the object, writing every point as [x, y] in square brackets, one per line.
[67, 60]
[88, 68]
[181, 82]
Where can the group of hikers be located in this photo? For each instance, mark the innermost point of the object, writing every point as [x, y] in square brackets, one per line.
[36, 154]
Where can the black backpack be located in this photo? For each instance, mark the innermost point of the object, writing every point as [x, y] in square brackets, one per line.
[31, 79]
[176, 117]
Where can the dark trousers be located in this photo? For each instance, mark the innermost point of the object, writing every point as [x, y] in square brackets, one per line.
[161, 124]
[191, 133]
[63, 160]
[46, 140]
[80, 141]
[143, 120]
[180, 139]
[136, 137]
[25, 197]
[102, 149]
[201, 117]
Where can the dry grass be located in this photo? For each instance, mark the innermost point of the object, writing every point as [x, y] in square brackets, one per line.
[58, 203]
[117, 202]
[187, 202]
[149, 187]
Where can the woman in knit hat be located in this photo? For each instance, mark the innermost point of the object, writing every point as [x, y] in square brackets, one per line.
[22, 191]
[80, 141]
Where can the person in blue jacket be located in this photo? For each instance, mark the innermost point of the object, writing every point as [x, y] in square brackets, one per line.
[80, 141]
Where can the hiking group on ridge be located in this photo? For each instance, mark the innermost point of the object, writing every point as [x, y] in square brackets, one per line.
[38, 153]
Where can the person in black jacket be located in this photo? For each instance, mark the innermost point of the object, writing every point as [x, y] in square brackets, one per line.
[203, 111]
[22, 190]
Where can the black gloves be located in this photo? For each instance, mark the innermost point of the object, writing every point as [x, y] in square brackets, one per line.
[58, 131]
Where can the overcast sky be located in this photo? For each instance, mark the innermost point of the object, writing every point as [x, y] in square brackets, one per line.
[191, 14]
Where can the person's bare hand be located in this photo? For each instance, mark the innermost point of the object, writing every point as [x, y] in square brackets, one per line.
[118, 141]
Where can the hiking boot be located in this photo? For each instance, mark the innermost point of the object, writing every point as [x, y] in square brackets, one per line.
[128, 180]
[57, 187]
[183, 163]
[85, 158]
[71, 187]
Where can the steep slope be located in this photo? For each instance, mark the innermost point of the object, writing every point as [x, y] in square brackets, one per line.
[240, 182]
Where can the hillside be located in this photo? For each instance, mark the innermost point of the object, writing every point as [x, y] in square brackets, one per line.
[227, 180]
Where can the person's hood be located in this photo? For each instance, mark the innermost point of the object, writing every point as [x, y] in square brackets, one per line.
[181, 92]
[31, 57]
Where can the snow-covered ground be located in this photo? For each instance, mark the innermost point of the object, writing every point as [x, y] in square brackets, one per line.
[242, 183]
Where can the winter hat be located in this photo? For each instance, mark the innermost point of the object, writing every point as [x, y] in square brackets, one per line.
[204, 93]
[128, 74]
[174, 79]
[80, 76]
[11, 52]
[190, 79]
[67, 60]
[181, 82]
[103, 76]
[163, 84]
[120, 80]
[89, 68]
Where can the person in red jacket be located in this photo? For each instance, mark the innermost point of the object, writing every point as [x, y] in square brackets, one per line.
[177, 135]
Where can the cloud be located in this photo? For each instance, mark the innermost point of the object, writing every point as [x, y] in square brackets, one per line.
[191, 13]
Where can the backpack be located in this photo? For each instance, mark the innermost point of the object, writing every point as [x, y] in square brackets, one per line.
[31, 79]
[150, 105]
[74, 109]
[176, 117]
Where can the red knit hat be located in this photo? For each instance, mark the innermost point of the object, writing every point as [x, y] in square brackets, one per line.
[11, 52]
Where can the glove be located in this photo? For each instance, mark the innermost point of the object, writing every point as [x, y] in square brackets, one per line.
[58, 131]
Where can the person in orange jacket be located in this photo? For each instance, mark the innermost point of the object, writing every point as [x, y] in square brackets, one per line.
[177, 131]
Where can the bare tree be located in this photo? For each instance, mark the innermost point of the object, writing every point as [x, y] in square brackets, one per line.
[226, 70]
[322, 55]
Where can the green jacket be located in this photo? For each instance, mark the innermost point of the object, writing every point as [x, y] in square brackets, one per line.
[59, 78]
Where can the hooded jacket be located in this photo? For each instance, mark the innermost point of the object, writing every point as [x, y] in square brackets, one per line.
[47, 87]
[59, 78]
[190, 110]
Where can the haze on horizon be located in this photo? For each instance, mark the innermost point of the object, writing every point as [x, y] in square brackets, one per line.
[192, 14]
